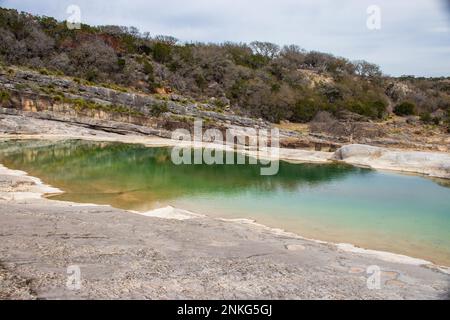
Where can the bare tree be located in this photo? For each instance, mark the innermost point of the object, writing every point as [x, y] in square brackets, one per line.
[113, 30]
[146, 35]
[166, 39]
[133, 31]
[38, 43]
[95, 57]
[318, 60]
[367, 69]
[266, 49]
[292, 56]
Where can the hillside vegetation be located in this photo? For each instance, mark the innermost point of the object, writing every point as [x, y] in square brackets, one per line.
[260, 79]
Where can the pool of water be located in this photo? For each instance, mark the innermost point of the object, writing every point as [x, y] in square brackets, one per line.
[404, 214]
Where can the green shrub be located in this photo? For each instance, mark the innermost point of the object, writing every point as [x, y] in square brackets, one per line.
[426, 117]
[159, 109]
[447, 120]
[219, 105]
[238, 88]
[304, 111]
[256, 61]
[148, 68]
[201, 81]
[114, 86]
[58, 98]
[379, 108]
[405, 109]
[161, 52]
[436, 121]
[20, 86]
[91, 75]
[4, 96]
[44, 72]
[121, 63]
[374, 109]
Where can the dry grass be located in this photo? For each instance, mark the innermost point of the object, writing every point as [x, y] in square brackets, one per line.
[297, 127]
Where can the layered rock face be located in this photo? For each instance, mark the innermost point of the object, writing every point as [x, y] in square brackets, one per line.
[119, 110]
[64, 99]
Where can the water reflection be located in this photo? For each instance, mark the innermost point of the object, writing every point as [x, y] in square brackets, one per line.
[127, 175]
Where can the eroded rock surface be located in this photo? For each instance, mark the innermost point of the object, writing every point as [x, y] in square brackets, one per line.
[427, 163]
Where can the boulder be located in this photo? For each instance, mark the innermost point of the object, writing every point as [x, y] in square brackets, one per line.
[427, 163]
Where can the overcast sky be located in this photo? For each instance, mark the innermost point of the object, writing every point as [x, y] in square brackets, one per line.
[414, 37]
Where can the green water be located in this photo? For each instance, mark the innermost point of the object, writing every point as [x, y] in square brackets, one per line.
[334, 202]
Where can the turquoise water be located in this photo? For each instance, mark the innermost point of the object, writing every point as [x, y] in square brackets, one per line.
[384, 211]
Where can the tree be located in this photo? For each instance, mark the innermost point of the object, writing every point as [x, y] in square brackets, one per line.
[95, 59]
[317, 60]
[161, 52]
[113, 30]
[265, 49]
[171, 41]
[292, 56]
[61, 62]
[38, 43]
[405, 109]
[9, 46]
[134, 32]
[367, 69]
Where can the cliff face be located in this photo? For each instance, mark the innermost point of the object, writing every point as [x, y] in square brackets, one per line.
[65, 99]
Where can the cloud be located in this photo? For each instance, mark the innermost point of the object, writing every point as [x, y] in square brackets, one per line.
[412, 40]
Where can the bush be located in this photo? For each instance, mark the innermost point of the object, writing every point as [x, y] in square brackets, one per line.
[447, 120]
[148, 68]
[374, 109]
[380, 108]
[304, 111]
[91, 75]
[436, 121]
[4, 96]
[426, 117]
[405, 109]
[159, 109]
[161, 52]
[44, 72]
[121, 63]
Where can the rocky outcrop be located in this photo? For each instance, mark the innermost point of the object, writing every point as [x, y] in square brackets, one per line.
[57, 97]
[428, 163]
